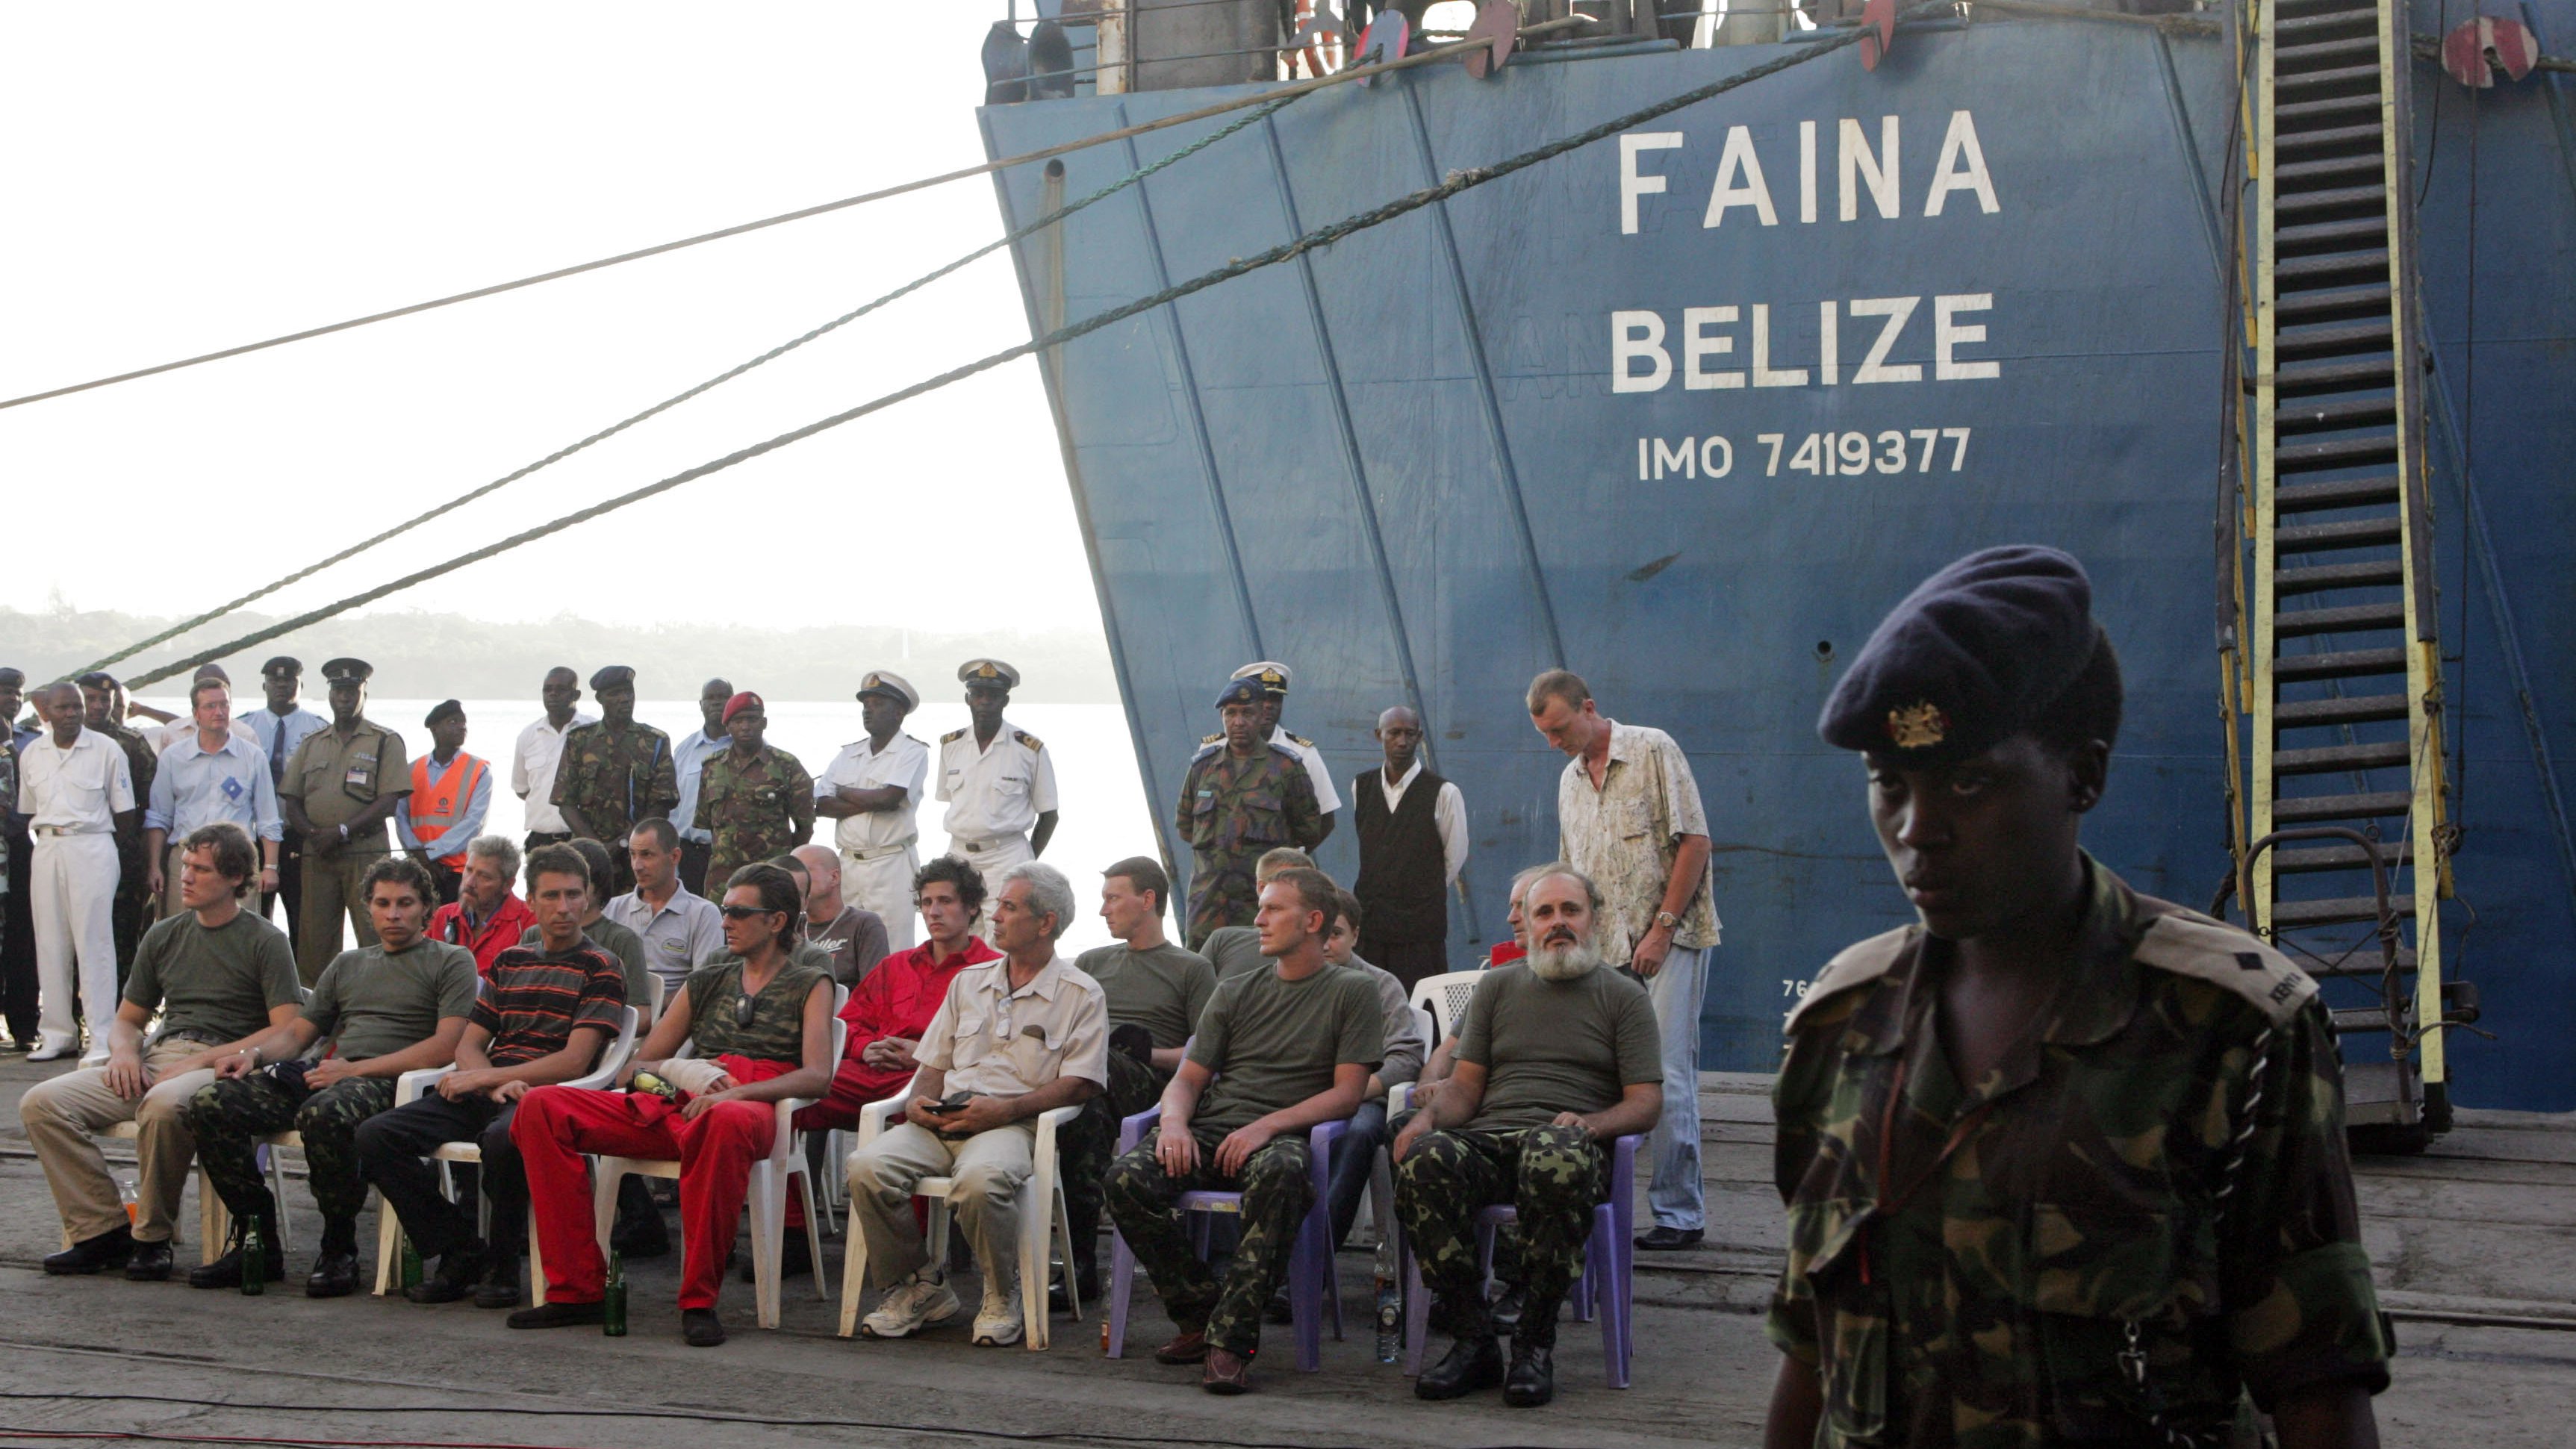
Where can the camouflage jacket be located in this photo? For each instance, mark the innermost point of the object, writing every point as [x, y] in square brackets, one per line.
[1231, 810]
[617, 777]
[2070, 1249]
[755, 808]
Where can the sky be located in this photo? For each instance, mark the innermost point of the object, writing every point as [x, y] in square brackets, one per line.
[182, 178]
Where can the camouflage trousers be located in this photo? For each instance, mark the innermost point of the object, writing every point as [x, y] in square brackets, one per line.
[1278, 1188]
[229, 1117]
[1090, 1140]
[1551, 1176]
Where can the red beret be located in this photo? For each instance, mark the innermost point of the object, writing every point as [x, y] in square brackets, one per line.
[739, 703]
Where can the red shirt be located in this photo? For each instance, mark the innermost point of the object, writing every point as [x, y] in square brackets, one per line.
[489, 940]
[898, 999]
[1505, 954]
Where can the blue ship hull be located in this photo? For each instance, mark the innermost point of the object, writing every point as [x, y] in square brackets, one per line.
[1692, 439]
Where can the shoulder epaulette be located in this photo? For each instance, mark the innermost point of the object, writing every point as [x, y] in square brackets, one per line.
[1208, 747]
[1024, 737]
[1857, 964]
[1277, 748]
[1301, 742]
[1214, 739]
[952, 737]
[2189, 944]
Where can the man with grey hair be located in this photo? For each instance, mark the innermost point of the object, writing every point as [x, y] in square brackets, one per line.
[1557, 1057]
[1013, 1038]
[487, 916]
[1628, 814]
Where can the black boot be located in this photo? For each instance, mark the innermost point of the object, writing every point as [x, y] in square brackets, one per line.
[226, 1271]
[459, 1269]
[150, 1263]
[1532, 1380]
[1470, 1365]
[1507, 1310]
[639, 1232]
[1086, 1278]
[500, 1285]
[335, 1267]
[110, 1249]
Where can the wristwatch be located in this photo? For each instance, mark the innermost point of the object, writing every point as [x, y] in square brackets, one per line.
[1667, 920]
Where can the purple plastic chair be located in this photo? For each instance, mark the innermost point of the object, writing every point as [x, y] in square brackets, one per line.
[1311, 1288]
[1608, 1286]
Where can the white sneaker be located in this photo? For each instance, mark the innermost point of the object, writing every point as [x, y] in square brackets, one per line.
[997, 1323]
[910, 1306]
[54, 1048]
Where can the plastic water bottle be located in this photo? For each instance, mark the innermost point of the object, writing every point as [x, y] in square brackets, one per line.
[254, 1260]
[130, 1197]
[612, 1308]
[1390, 1304]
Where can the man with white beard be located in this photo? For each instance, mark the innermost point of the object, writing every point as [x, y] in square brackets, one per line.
[1558, 1057]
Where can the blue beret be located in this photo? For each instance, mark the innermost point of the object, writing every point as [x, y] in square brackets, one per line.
[610, 676]
[1972, 657]
[1240, 691]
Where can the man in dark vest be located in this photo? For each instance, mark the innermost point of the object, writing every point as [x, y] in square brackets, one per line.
[1413, 840]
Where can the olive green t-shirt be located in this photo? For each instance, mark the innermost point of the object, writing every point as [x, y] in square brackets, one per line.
[1233, 950]
[1557, 1046]
[1275, 1043]
[370, 1002]
[217, 986]
[775, 1031]
[1162, 990]
[619, 942]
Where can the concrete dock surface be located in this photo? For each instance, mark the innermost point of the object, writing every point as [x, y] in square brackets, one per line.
[2474, 1241]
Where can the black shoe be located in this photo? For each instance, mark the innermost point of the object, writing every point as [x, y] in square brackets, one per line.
[458, 1270]
[1532, 1380]
[559, 1315]
[1470, 1365]
[1086, 1277]
[795, 1259]
[334, 1275]
[111, 1249]
[700, 1328]
[500, 1285]
[1661, 1239]
[225, 1272]
[1507, 1310]
[150, 1263]
[639, 1232]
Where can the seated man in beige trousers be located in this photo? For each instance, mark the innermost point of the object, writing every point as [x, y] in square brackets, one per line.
[218, 976]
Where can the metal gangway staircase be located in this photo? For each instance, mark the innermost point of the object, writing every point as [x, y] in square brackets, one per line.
[2340, 679]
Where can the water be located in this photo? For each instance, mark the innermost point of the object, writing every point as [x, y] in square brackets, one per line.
[1101, 803]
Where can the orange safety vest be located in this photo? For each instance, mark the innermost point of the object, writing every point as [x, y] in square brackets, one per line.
[435, 808]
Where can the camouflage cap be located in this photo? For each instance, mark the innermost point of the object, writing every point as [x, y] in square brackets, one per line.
[1971, 657]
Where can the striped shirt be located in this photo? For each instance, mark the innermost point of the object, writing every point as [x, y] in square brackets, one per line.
[532, 1000]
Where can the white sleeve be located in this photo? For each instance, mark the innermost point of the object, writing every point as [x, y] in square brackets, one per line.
[1042, 781]
[519, 765]
[912, 777]
[1449, 813]
[1326, 799]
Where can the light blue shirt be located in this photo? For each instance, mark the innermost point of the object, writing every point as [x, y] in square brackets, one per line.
[265, 723]
[452, 842]
[689, 757]
[193, 788]
[684, 935]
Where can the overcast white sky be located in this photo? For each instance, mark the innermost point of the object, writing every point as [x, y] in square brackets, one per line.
[184, 177]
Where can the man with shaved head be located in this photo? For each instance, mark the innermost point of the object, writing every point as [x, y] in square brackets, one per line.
[853, 936]
[1413, 841]
[689, 756]
[540, 753]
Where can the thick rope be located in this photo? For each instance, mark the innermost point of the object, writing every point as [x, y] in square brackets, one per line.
[557, 456]
[1323, 236]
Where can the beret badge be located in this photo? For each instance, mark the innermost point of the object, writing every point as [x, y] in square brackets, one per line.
[1917, 726]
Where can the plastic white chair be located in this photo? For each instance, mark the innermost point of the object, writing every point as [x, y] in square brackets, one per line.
[1044, 1223]
[214, 1220]
[411, 1085]
[1446, 998]
[768, 1197]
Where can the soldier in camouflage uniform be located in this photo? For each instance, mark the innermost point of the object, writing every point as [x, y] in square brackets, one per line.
[2063, 1163]
[615, 773]
[757, 801]
[1277, 1052]
[380, 1011]
[1558, 1057]
[1241, 797]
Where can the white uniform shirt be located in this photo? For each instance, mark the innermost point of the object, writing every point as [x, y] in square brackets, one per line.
[904, 761]
[1448, 813]
[532, 771]
[1316, 770]
[81, 790]
[998, 790]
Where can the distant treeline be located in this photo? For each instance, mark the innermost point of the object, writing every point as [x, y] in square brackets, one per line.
[429, 656]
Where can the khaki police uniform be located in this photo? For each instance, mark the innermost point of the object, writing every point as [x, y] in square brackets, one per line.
[335, 777]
